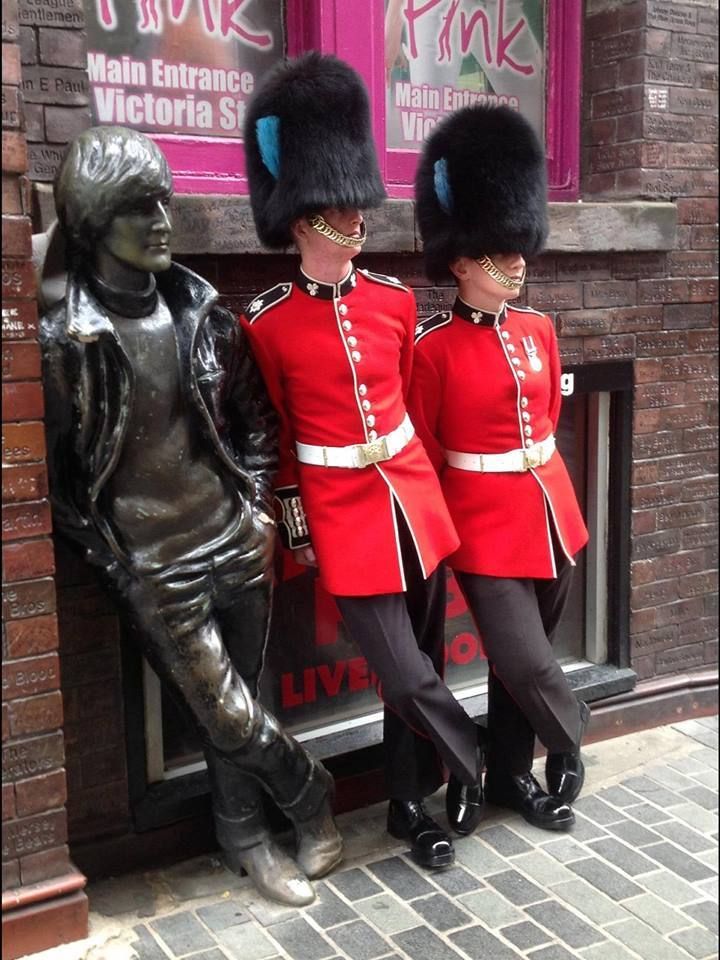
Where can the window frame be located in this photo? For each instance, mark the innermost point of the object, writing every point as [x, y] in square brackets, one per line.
[331, 26]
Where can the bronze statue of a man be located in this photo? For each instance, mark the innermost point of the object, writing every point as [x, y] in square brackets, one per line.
[162, 448]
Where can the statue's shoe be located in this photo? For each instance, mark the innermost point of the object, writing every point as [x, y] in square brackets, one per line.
[320, 845]
[273, 872]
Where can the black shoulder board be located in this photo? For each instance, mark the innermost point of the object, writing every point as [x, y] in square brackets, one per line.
[426, 326]
[381, 278]
[271, 298]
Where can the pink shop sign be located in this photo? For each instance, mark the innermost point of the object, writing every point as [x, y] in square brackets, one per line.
[182, 71]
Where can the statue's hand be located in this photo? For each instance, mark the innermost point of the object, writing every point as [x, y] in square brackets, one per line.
[265, 531]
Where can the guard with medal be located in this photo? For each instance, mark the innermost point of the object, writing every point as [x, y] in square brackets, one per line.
[356, 493]
[485, 400]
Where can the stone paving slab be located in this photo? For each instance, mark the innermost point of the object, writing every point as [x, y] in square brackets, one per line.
[635, 880]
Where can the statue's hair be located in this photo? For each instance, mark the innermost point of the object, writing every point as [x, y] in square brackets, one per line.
[105, 171]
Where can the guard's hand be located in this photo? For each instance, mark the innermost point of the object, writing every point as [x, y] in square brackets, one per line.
[305, 556]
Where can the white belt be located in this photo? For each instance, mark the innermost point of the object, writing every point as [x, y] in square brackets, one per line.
[358, 455]
[514, 461]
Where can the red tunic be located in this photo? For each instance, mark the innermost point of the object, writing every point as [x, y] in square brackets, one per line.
[488, 385]
[337, 360]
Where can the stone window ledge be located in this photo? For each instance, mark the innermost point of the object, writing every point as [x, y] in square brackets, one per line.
[215, 224]
[223, 225]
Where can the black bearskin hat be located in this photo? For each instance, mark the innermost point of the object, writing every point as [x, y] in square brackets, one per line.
[481, 188]
[308, 145]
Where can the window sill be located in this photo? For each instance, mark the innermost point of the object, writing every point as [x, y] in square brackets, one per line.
[223, 225]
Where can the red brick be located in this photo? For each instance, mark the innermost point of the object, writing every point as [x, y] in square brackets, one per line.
[63, 124]
[40, 714]
[33, 598]
[10, 67]
[63, 48]
[662, 444]
[662, 291]
[22, 401]
[19, 320]
[555, 296]
[24, 561]
[679, 659]
[44, 865]
[603, 24]
[23, 442]
[10, 880]
[630, 126]
[699, 584]
[700, 341]
[696, 210]
[16, 236]
[8, 801]
[38, 794]
[704, 237]
[616, 102]
[599, 184]
[655, 494]
[643, 522]
[30, 676]
[22, 520]
[654, 593]
[24, 482]
[12, 195]
[18, 279]
[602, 131]
[20, 360]
[14, 152]
[632, 71]
[684, 316]
[599, 78]
[693, 263]
[5, 723]
[644, 473]
[31, 636]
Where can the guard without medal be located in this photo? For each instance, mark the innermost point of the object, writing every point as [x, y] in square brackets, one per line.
[356, 492]
[485, 400]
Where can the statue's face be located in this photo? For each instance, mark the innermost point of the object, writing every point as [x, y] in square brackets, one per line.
[140, 238]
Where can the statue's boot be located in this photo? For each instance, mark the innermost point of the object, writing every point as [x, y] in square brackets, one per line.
[319, 844]
[272, 871]
[300, 786]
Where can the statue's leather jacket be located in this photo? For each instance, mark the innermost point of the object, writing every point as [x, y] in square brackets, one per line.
[89, 384]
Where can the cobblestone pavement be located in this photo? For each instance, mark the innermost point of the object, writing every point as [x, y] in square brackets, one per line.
[637, 878]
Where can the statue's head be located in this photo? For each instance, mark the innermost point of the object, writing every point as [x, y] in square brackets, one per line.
[111, 196]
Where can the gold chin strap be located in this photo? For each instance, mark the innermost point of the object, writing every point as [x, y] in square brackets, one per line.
[322, 226]
[510, 283]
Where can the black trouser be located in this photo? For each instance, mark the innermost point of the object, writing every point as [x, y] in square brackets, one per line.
[402, 637]
[204, 631]
[528, 693]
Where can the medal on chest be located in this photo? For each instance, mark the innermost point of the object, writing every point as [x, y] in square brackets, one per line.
[532, 354]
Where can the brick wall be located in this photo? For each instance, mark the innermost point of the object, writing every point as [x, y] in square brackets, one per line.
[53, 51]
[651, 130]
[34, 792]
[53, 48]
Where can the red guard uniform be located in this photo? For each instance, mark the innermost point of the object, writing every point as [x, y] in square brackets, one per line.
[487, 387]
[337, 360]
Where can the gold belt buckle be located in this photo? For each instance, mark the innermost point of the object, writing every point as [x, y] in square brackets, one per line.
[532, 457]
[374, 452]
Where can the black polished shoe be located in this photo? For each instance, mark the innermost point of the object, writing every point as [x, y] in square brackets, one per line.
[430, 846]
[523, 793]
[465, 805]
[565, 772]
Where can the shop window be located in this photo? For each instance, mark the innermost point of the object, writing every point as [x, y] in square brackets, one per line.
[318, 685]
[182, 71]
